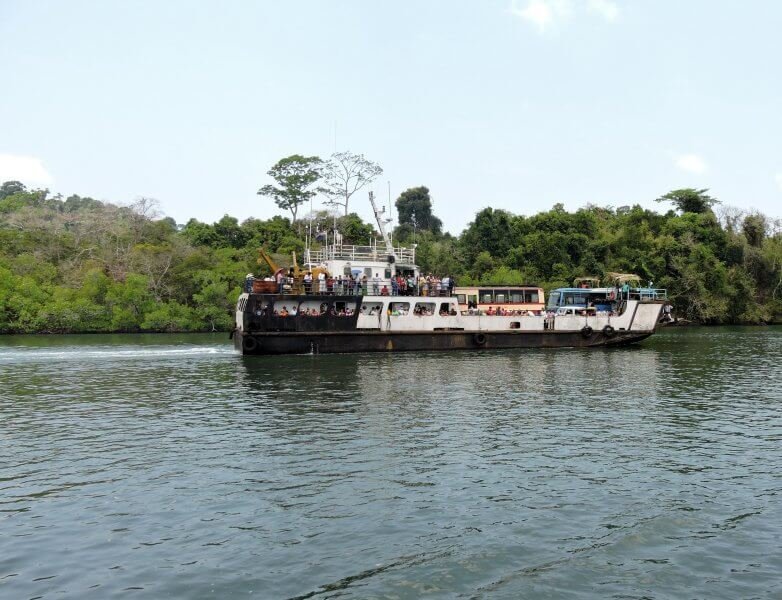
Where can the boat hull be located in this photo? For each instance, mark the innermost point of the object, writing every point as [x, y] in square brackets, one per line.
[265, 343]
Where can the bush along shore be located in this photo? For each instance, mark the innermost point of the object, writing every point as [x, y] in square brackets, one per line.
[78, 265]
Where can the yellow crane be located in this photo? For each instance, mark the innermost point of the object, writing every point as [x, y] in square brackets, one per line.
[297, 285]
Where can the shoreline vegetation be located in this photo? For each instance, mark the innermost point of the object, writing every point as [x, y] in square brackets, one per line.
[79, 265]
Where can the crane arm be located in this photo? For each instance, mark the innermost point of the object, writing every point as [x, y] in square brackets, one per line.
[381, 225]
[263, 256]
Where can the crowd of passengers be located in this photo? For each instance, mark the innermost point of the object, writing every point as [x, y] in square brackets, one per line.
[350, 285]
[308, 312]
[501, 311]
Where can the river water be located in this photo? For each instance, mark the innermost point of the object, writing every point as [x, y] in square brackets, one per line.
[167, 466]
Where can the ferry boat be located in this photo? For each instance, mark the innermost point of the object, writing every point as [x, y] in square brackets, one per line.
[352, 303]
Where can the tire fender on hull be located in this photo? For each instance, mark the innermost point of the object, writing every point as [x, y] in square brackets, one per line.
[249, 344]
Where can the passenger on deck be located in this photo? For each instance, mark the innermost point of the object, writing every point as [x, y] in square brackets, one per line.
[384, 291]
[308, 283]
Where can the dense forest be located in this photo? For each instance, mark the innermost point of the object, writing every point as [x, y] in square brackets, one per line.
[77, 264]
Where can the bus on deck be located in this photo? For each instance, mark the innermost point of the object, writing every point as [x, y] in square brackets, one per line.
[507, 298]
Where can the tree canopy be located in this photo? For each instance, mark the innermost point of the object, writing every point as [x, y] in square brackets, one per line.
[295, 175]
[346, 173]
[690, 200]
[415, 203]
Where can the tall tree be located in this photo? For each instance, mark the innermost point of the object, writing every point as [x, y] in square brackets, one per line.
[346, 173]
[11, 187]
[416, 201]
[690, 200]
[295, 175]
[754, 228]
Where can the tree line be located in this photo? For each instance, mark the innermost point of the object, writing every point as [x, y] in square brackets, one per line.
[77, 264]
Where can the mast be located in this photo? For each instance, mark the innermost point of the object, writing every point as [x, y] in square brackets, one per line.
[381, 225]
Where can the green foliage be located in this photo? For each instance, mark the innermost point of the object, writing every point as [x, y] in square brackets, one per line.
[689, 200]
[109, 268]
[754, 228]
[414, 207]
[295, 175]
[354, 230]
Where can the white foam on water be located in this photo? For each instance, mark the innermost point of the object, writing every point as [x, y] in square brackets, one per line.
[79, 352]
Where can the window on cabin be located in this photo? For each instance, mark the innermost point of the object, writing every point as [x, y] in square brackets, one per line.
[424, 309]
[399, 308]
[515, 325]
[371, 308]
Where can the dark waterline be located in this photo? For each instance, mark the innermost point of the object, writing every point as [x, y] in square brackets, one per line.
[168, 466]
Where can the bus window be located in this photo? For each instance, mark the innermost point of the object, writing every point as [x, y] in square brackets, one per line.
[531, 296]
[553, 299]
[501, 296]
[516, 297]
[486, 297]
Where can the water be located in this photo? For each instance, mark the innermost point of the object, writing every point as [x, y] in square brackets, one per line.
[167, 466]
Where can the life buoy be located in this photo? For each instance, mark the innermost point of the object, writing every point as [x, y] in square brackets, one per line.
[586, 331]
[249, 344]
[479, 339]
[608, 331]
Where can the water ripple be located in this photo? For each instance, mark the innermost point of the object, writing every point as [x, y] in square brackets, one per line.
[168, 466]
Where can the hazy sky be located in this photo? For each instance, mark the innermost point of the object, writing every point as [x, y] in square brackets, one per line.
[515, 105]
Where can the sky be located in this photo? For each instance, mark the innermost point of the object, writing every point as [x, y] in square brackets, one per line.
[510, 104]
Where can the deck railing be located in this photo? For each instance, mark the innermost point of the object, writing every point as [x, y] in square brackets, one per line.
[651, 293]
[352, 253]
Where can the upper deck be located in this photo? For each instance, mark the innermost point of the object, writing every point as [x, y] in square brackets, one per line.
[346, 252]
